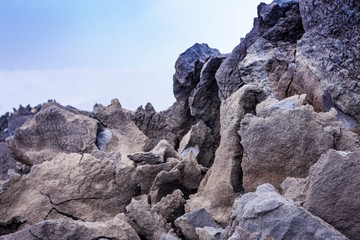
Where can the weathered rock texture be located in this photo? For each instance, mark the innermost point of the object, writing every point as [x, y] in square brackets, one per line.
[333, 192]
[53, 130]
[65, 229]
[80, 187]
[285, 139]
[222, 182]
[265, 214]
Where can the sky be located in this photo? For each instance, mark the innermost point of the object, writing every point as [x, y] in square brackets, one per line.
[82, 52]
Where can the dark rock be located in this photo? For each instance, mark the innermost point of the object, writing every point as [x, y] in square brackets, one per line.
[171, 206]
[197, 219]
[145, 158]
[333, 192]
[6, 161]
[265, 214]
[188, 67]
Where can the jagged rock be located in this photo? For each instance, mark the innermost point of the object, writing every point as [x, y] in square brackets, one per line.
[333, 192]
[197, 219]
[186, 176]
[284, 140]
[53, 130]
[145, 158]
[64, 229]
[277, 23]
[222, 182]
[265, 214]
[171, 206]
[209, 233]
[80, 187]
[171, 124]
[188, 67]
[200, 141]
[119, 132]
[327, 57]
[147, 174]
[294, 189]
[147, 223]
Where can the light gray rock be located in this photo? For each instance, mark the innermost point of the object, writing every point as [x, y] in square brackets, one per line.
[209, 233]
[333, 192]
[197, 219]
[265, 214]
[222, 183]
[294, 189]
[53, 130]
[80, 187]
[65, 229]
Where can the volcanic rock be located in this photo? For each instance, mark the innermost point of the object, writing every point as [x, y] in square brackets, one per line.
[265, 214]
[53, 130]
[61, 229]
[333, 192]
[284, 140]
[171, 206]
[222, 182]
[76, 186]
[209, 233]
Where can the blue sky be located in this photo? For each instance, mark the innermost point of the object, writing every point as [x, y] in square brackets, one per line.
[84, 51]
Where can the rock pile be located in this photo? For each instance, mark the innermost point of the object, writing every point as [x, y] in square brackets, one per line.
[260, 144]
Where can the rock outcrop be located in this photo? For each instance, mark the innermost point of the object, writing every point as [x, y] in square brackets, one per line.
[265, 214]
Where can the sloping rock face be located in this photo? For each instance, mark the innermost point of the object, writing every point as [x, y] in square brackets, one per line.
[333, 193]
[266, 52]
[61, 229]
[285, 139]
[80, 187]
[53, 130]
[328, 56]
[265, 214]
[222, 182]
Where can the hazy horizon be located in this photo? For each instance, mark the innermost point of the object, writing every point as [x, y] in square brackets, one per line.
[85, 52]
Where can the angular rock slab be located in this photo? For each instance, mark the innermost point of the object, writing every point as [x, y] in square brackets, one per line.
[76, 186]
[222, 183]
[333, 191]
[61, 229]
[265, 214]
[53, 130]
[285, 139]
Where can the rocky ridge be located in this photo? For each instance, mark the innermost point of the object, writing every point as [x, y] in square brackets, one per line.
[261, 143]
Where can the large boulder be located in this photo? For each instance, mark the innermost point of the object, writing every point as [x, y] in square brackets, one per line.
[53, 130]
[333, 193]
[265, 214]
[277, 28]
[65, 229]
[171, 207]
[118, 132]
[6, 161]
[327, 57]
[285, 138]
[188, 67]
[80, 187]
[222, 182]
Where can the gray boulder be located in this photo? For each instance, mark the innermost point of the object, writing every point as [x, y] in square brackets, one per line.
[188, 67]
[171, 206]
[65, 229]
[265, 214]
[197, 219]
[333, 192]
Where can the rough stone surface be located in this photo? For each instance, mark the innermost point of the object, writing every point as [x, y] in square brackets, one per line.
[222, 182]
[65, 229]
[6, 161]
[124, 135]
[188, 67]
[54, 129]
[147, 223]
[276, 23]
[333, 192]
[265, 214]
[200, 141]
[86, 188]
[171, 206]
[186, 176]
[295, 189]
[197, 219]
[284, 140]
[209, 233]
